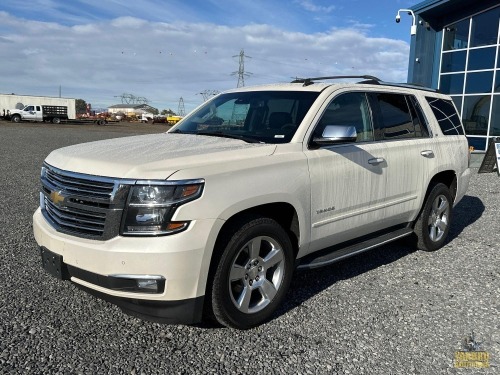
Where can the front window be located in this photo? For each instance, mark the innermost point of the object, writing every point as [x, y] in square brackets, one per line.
[255, 116]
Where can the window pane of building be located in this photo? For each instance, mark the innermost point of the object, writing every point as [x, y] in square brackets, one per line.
[482, 58]
[479, 144]
[456, 35]
[495, 116]
[479, 82]
[476, 113]
[458, 103]
[453, 61]
[452, 83]
[497, 82]
[485, 28]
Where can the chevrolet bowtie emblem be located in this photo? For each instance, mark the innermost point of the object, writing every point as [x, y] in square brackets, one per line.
[56, 197]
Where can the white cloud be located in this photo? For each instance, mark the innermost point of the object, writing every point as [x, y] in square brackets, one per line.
[163, 61]
[312, 7]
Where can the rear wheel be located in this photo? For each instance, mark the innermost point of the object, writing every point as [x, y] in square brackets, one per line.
[253, 274]
[433, 224]
[56, 120]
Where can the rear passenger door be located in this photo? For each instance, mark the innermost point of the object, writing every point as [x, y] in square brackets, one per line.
[401, 126]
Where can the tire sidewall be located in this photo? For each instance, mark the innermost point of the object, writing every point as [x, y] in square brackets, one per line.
[425, 241]
[221, 300]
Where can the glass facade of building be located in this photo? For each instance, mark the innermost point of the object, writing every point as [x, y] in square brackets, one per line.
[470, 73]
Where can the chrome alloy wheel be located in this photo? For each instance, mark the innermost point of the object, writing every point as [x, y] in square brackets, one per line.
[256, 274]
[438, 218]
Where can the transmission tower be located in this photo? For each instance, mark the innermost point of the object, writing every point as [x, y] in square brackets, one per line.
[241, 70]
[206, 94]
[181, 111]
[132, 99]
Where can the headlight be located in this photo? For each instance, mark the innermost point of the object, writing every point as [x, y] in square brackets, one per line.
[151, 206]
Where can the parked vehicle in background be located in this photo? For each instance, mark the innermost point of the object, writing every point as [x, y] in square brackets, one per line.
[211, 218]
[40, 113]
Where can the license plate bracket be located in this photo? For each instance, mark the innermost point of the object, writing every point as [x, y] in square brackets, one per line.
[53, 264]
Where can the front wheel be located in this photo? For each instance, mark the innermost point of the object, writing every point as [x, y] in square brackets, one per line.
[433, 224]
[15, 118]
[253, 274]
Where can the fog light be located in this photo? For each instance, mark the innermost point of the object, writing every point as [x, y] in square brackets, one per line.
[138, 283]
[150, 285]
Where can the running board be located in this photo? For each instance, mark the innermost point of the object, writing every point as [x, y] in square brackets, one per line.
[323, 259]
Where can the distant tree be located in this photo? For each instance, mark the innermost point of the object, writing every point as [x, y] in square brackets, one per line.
[167, 112]
[80, 106]
[155, 111]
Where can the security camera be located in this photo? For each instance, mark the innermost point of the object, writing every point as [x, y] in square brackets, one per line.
[398, 18]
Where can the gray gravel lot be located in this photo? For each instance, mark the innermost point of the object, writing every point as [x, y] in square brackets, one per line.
[390, 311]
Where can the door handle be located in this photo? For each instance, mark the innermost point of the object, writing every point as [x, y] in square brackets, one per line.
[376, 161]
[427, 153]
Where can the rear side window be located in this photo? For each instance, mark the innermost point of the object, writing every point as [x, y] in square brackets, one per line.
[446, 116]
[393, 118]
[419, 120]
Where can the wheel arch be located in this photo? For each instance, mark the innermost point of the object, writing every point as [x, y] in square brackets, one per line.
[449, 178]
[283, 213]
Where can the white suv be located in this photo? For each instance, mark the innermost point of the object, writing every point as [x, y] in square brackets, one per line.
[212, 218]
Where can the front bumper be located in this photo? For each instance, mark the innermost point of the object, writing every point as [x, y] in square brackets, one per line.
[182, 260]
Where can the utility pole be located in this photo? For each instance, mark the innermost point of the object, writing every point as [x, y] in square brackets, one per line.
[241, 69]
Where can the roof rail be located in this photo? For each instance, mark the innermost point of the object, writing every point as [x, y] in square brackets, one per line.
[404, 85]
[371, 80]
[310, 81]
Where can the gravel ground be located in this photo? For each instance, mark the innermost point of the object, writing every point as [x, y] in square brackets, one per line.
[390, 311]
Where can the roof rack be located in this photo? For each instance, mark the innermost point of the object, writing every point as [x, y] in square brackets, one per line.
[371, 80]
[310, 81]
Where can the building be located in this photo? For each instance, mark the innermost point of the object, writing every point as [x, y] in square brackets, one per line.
[456, 49]
[132, 109]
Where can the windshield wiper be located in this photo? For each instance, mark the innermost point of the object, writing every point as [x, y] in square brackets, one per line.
[232, 136]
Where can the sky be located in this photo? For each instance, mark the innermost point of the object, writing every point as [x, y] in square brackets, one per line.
[162, 50]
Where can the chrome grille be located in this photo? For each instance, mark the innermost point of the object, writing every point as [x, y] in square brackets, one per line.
[82, 205]
[79, 186]
[76, 220]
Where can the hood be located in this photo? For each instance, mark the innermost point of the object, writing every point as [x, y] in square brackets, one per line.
[153, 156]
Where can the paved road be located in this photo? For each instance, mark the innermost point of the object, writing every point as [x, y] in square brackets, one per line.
[390, 311]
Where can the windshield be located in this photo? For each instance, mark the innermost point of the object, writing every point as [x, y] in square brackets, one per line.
[258, 116]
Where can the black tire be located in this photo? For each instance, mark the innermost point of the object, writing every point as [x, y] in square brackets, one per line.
[56, 120]
[433, 224]
[15, 118]
[259, 255]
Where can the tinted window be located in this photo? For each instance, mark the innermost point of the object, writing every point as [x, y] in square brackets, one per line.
[476, 113]
[453, 62]
[479, 82]
[452, 83]
[394, 120]
[446, 115]
[495, 116]
[349, 109]
[482, 58]
[456, 35]
[485, 28]
[419, 120]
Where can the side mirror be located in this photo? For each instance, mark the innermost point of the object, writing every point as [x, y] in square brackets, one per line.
[335, 134]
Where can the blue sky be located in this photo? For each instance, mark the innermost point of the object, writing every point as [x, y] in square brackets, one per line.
[162, 50]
